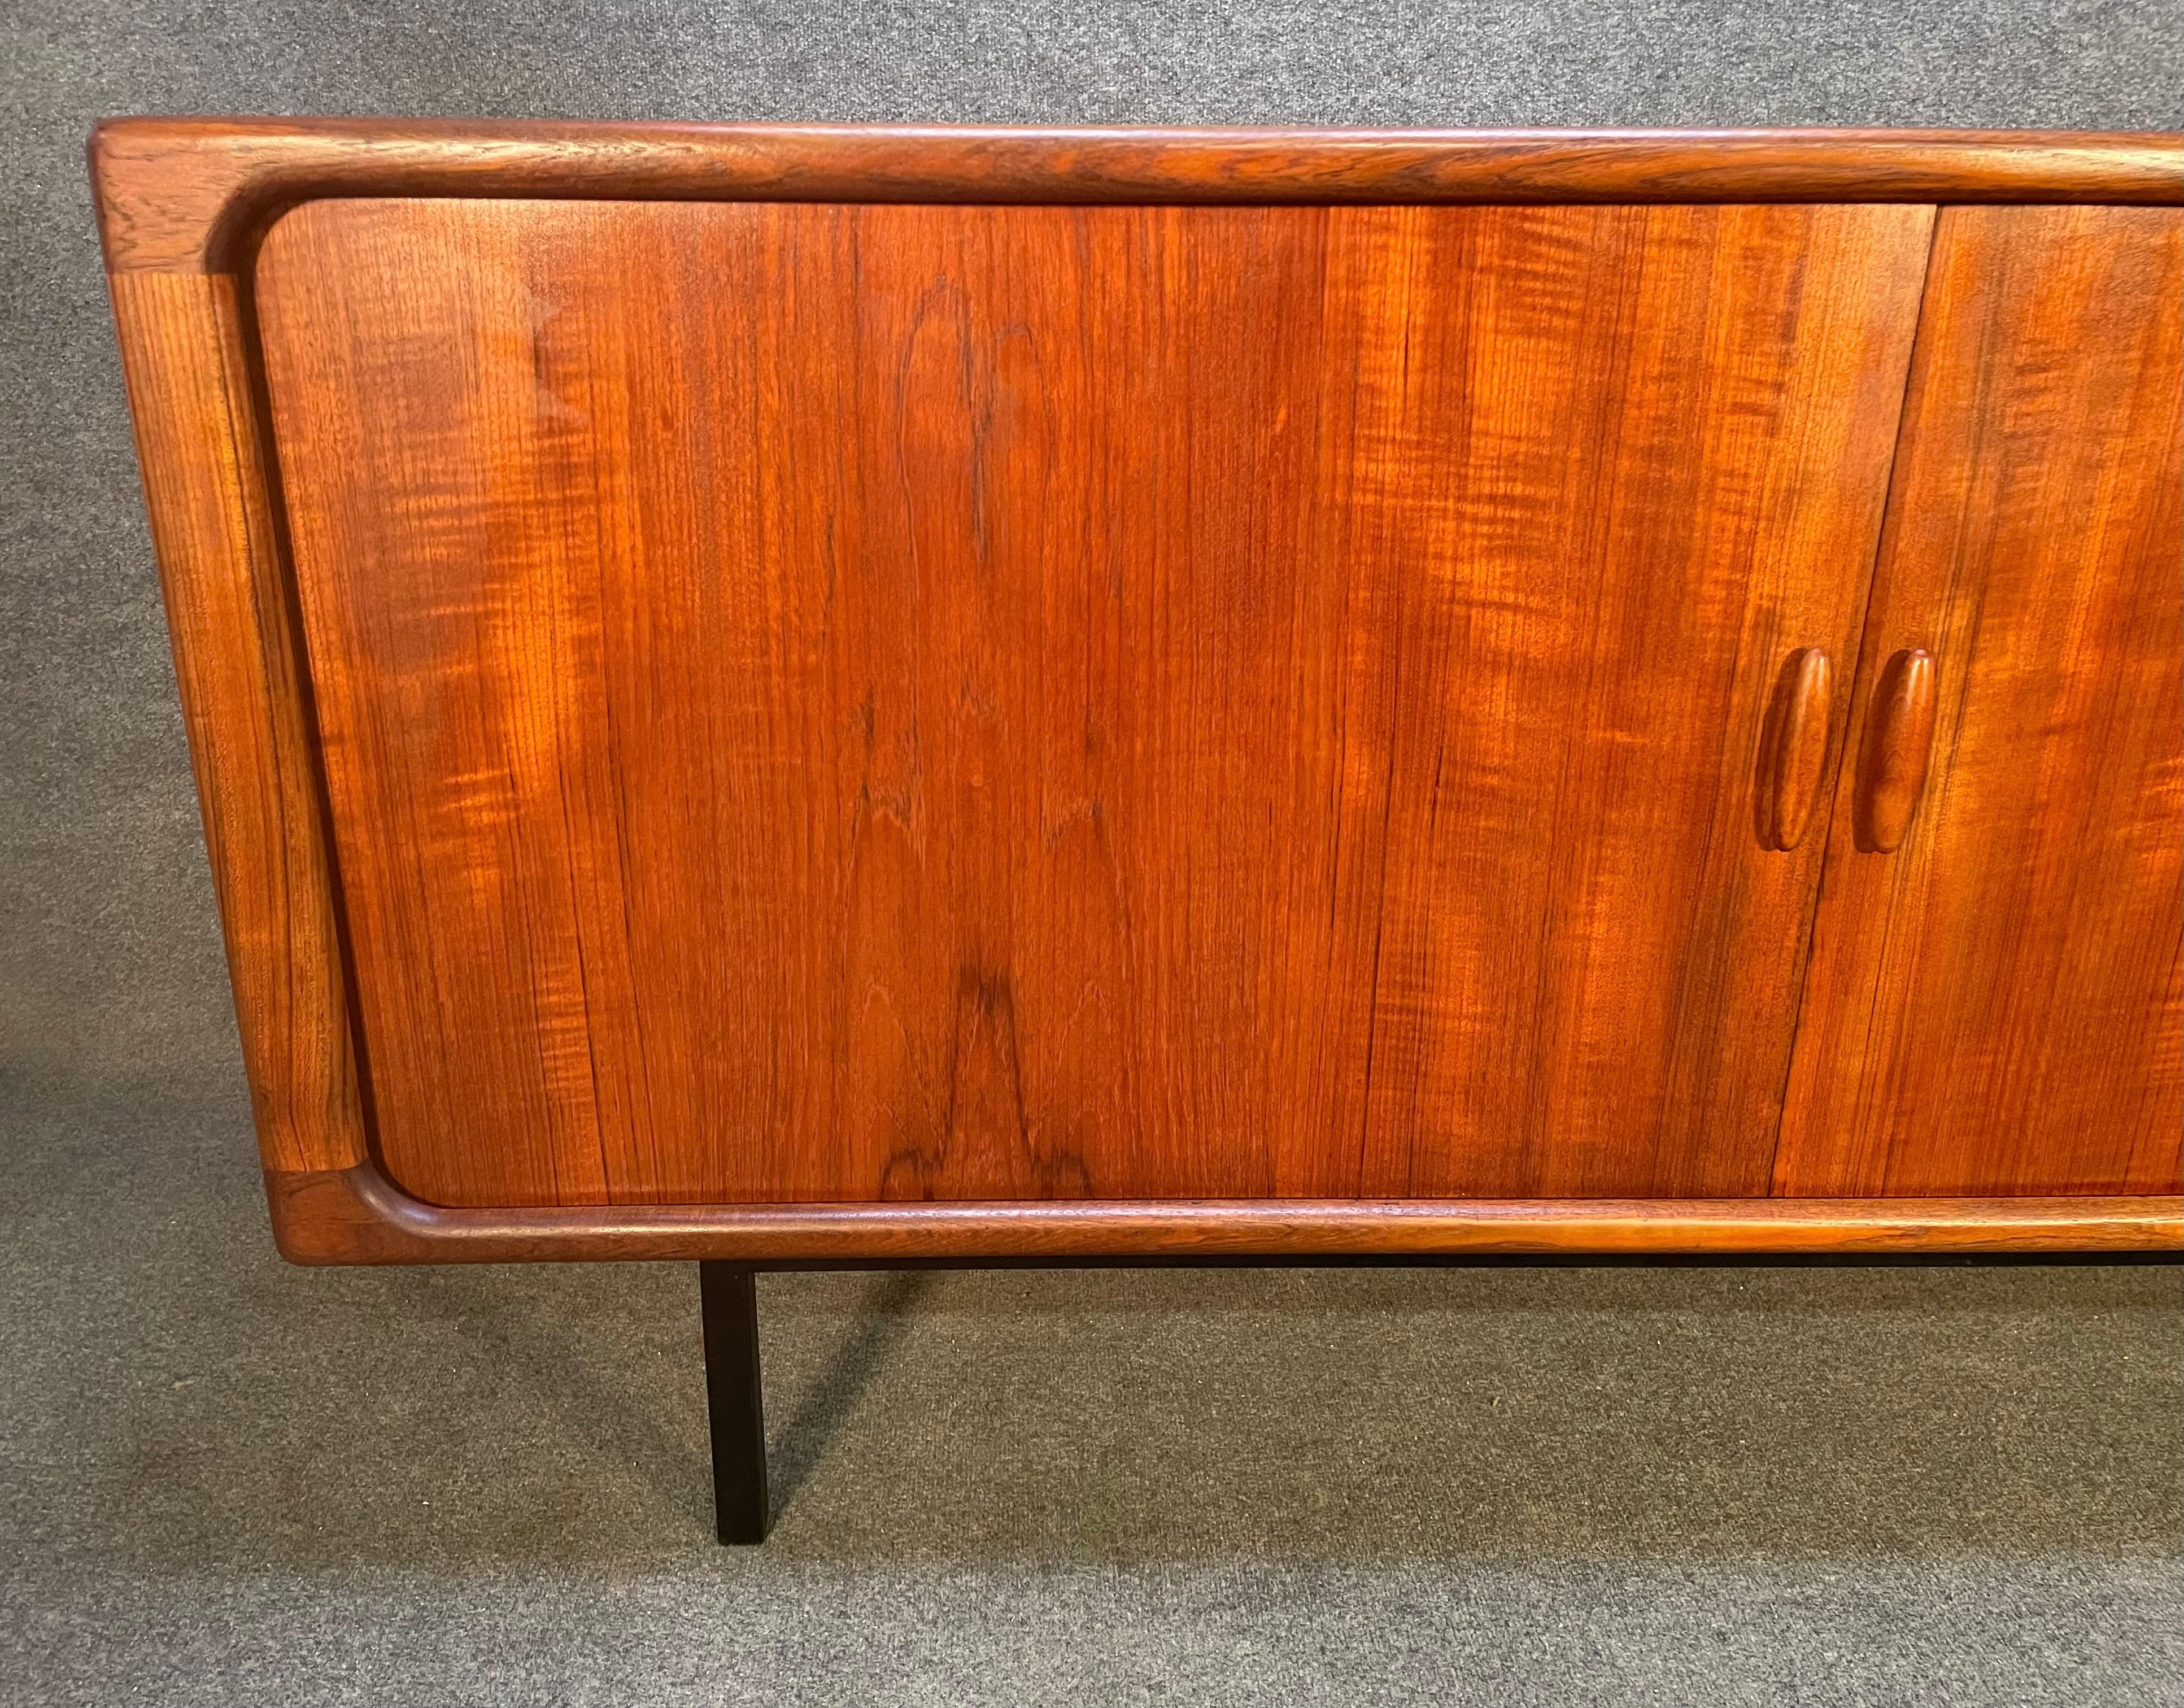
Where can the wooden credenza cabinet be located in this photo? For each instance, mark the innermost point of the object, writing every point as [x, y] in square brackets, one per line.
[788, 695]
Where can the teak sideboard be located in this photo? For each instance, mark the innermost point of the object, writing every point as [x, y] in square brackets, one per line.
[805, 694]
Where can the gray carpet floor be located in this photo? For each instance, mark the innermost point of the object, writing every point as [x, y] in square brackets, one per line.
[226, 1481]
[223, 1481]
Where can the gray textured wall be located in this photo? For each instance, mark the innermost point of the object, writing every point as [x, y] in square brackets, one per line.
[109, 960]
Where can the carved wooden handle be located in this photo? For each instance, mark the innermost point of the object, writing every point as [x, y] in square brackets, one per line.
[1795, 749]
[1899, 739]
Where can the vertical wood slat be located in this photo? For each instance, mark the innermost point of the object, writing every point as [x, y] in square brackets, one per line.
[243, 700]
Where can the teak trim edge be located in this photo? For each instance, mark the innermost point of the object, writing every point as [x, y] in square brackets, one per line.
[181, 205]
[357, 1216]
[191, 195]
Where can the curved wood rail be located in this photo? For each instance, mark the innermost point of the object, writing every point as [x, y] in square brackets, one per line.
[357, 1216]
[192, 195]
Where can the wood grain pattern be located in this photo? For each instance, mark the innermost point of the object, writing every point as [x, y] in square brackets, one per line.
[836, 704]
[238, 664]
[355, 1216]
[193, 194]
[1606, 529]
[1996, 1006]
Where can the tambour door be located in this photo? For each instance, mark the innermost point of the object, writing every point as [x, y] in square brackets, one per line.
[855, 702]
[1994, 1004]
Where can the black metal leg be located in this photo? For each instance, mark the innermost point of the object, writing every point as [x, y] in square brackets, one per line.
[729, 1296]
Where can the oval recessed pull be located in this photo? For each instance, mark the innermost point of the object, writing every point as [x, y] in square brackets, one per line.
[1898, 742]
[1793, 751]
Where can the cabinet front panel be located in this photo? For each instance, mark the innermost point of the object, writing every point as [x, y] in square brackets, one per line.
[843, 703]
[1994, 1005]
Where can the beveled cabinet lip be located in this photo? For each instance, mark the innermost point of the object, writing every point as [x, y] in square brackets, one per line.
[357, 1215]
[191, 195]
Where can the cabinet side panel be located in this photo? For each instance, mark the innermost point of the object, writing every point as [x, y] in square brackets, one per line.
[1994, 1006]
[236, 664]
